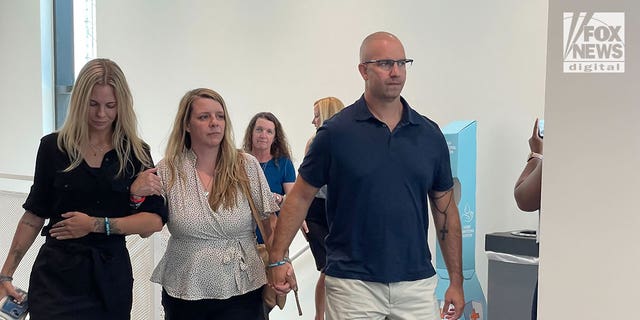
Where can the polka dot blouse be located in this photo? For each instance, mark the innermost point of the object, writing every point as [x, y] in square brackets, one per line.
[211, 254]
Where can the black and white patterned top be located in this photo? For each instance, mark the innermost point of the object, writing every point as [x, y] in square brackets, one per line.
[211, 255]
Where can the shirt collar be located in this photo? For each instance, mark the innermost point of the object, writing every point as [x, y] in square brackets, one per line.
[363, 113]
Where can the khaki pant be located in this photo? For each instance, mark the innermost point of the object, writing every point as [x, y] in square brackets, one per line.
[356, 299]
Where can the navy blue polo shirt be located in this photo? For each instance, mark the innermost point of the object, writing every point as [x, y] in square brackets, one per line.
[377, 186]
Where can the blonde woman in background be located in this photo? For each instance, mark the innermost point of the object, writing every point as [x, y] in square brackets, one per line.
[211, 268]
[315, 227]
[81, 184]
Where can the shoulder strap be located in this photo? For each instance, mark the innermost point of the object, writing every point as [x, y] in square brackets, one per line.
[254, 211]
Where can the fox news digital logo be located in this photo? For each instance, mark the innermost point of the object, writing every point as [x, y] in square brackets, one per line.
[593, 42]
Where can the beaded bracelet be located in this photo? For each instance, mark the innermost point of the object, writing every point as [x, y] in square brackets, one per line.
[278, 263]
[107, 226]
[4, 278]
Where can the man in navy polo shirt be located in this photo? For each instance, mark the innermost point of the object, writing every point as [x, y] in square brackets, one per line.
[381, 160]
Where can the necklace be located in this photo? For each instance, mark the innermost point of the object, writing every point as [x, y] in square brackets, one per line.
[98, 149]
[208, 185]
[206, 193]
[264, 165]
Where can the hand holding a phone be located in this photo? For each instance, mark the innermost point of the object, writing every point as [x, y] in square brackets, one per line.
[14, 306]
[7, 289]
[535, 142]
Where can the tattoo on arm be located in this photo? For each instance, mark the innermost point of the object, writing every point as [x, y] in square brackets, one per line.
[98, 225]
[30, 224]
[443, 231]
[17, 257]
[115, 229]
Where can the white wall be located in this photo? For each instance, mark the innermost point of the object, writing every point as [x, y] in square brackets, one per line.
[482, 61]
[474, 60]
[588, 252]
[21, 116]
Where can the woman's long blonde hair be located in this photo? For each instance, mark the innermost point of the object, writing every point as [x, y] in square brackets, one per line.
[229, 169]
[75, 132]
[327, 107]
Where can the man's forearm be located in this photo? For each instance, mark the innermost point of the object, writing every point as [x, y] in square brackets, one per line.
[452, 249]
[448, 220]
[291, 216]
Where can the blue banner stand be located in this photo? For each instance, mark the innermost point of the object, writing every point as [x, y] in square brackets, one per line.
[461, 139]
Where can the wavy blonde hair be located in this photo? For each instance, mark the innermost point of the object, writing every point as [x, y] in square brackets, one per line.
[230, 173]
[75, 131]
[327, 107]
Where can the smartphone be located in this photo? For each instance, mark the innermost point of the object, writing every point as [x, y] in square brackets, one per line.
[541, 128]
[11, 310]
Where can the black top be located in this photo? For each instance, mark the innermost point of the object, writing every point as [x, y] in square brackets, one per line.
[89, 277]
[98, 192]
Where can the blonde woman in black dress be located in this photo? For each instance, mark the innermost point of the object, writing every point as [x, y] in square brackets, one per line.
[81, 185]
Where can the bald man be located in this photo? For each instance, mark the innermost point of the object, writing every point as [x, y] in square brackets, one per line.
[381, 161]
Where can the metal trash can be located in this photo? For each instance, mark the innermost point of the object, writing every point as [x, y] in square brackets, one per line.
[513, 273]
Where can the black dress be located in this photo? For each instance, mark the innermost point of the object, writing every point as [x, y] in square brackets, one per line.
[318, 230]
[90, 277]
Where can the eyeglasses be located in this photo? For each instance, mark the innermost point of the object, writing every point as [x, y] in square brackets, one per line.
[387, 64]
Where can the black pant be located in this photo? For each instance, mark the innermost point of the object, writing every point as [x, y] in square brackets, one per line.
[318, 230]
[243, 307]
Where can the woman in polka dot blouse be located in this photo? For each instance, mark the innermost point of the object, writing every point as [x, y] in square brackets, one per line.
[211, 268]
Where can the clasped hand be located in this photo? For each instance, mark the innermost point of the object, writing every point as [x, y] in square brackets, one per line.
[283, 279]
[147, 183]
